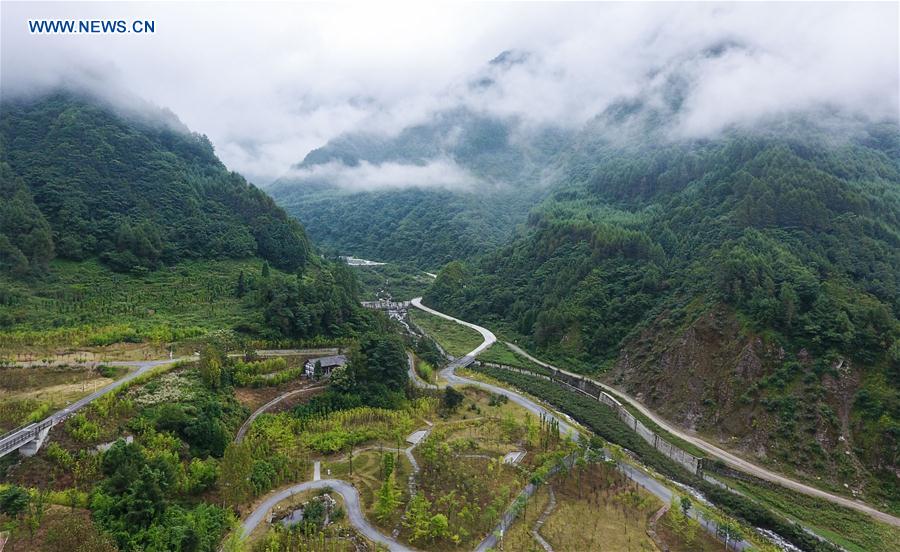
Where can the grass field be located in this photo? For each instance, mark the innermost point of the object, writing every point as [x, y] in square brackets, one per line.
[598, 508]
[518, 537]
[501, 354]
[54, 531]
[852, 530]
[456, 339]
[619, 523]
[425, 370]
[29, 393]
[85, 304]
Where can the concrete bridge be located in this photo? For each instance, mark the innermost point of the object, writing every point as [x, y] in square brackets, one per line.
[28, 439]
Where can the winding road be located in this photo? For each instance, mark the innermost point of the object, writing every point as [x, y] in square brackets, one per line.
[727, 457]
[249, 421]
[351, 496]
[449, 373]
[351, 505]
[644, 480]
[351, 501]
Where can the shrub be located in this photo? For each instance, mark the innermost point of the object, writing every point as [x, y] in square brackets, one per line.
[83, 430]
[109, 371]
[451, 399]
[60, 456]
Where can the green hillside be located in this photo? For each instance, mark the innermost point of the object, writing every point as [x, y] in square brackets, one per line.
[125, 226]
[747, 287]
[137, 190]
[413, 221]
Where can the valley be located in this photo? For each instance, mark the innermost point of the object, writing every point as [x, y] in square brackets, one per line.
[488, 277]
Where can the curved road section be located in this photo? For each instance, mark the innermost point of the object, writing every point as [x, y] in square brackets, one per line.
[351, 504]
[730, 459]
[449, 373]
[638, 476]
[249, 422]
[488, 335]
[414, 376]
[351, 496]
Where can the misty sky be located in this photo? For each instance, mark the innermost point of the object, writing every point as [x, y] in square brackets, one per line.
[269, 82]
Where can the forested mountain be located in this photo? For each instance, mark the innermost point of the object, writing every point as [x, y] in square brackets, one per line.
[133, 189]
[746, 286]
[138, 191]
[416, 211]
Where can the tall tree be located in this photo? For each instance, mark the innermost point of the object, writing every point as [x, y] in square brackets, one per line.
[234, 474]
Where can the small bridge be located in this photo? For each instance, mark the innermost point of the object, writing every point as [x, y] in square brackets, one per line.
[29, 438]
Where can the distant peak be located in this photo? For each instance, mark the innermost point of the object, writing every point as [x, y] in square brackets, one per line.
[721, 47]
[508, 58]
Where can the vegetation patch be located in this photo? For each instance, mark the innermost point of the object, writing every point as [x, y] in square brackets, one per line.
[425, 370]
[606, 424]
[853, 530]
[464, 485]
[500, 353]
[311, 520]
[456, 339]
[598, 508]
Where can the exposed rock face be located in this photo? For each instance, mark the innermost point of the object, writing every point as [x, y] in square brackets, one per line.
[714, 376]
[696, 376]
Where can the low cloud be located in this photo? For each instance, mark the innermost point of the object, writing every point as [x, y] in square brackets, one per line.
[270, 82]
[365, 176]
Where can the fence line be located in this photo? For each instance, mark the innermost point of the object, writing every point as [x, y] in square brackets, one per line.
[693, 463]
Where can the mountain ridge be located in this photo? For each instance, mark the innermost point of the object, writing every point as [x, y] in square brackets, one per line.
[746, 288]
[151, 190]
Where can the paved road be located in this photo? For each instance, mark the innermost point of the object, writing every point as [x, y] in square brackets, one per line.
[636, 475]
[351, 505]
[345, 489]
[449, 373]
[489, 337]
[729, 458]
[414, 376]
[142, 368]
[249, 422]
